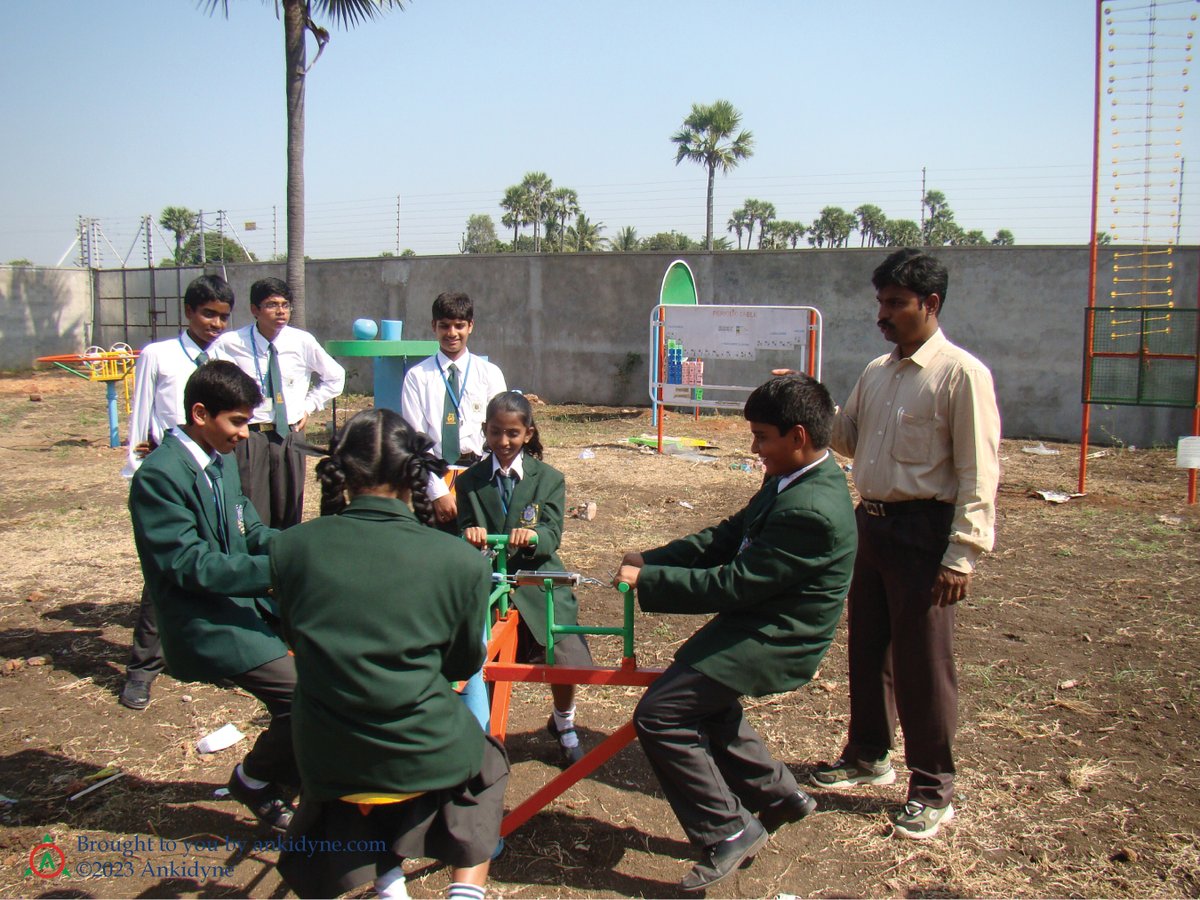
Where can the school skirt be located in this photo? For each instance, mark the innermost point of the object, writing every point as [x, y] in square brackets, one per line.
[332, 848]
[569, 649]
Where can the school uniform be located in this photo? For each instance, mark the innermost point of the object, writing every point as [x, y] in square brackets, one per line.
[159, 376]
[430, 405]
[776, 574]
[272, 467]
[207, 572]
[375, 711]
[537, 502]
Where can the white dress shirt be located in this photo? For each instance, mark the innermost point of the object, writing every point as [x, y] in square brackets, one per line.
[788, 479]
[311, 377]
[159, 375]
[424, 396]
[202, 457]
[927, 427]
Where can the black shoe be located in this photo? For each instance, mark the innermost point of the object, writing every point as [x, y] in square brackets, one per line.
[788, 810]
[269, 804]
[570, 755]
[722, 858]
[135, 694]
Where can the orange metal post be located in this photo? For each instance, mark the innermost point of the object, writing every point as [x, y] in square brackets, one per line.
[1093, 254]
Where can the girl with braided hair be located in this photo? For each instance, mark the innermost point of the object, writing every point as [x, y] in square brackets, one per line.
[383, 613]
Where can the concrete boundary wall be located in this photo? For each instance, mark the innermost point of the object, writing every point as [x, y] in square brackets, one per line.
[43, 312]
[573, 327]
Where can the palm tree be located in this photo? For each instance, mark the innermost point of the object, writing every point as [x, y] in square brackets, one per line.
[871, 221]
[705, 138]
[564, 203]
[738, 220]
[537, 187]
[1004, 238]
[297, 22]
[626, 240]
[182, 222]
[516, 206]
[585, 234]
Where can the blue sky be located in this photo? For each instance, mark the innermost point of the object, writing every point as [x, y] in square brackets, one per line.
[120, 108]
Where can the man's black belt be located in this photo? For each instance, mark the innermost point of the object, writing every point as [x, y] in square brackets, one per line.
[900, 507]
[262, 426]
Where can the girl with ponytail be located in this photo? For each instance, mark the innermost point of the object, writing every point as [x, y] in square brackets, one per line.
[383, 613]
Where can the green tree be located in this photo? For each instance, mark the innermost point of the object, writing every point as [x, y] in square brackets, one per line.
[19, 263]
[584, 235]
[180, 221]
[1103, 238]
[217, 248]
[831, 228]
[901, 233]
[708, 138]
[871, 222]
[763, 213]
[480, 236]
[297, 23]
[625, 240]
[738, 222]
[516, 204]
[564, 203]
[786, 233]
[974, 238]
[940, 228]
[671, 240]
[538, 188]
[1004, 238]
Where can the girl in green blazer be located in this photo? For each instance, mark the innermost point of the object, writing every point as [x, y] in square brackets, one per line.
[512, 492]
[383, 613]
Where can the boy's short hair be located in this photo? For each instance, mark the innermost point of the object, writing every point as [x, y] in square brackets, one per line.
[453, 305]
[220, 386]
[914, 270]
[791, 400]
[269, 287]
[206, 288]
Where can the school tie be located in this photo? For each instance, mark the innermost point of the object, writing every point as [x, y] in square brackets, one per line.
[201, 358]
[214, 471]
[279, 406]
[450, 450]
[505, 485]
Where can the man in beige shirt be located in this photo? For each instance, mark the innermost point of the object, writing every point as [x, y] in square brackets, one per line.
[924, 432]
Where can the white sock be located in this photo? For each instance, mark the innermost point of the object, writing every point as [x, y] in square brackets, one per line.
[253, 783]
[460, 890]
[563, 721]
[391, 884]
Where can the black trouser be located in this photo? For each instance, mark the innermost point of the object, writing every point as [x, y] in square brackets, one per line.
[145, 657]
[902, 648]
[272, 471]
[272, 757]
[713, 767]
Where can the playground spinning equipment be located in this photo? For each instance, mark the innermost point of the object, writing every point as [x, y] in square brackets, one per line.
[111, 366]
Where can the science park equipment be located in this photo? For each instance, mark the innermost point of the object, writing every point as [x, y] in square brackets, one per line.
[700, 353]
[392, 356]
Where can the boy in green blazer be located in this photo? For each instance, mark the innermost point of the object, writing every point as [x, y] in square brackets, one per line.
[776, 574]
[203, 553]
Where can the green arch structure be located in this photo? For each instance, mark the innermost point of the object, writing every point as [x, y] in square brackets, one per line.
[678, 286]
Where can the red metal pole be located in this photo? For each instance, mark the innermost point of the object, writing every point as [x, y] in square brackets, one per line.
[1089, 330]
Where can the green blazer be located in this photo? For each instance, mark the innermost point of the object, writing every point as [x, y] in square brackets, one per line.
[537, 502]
[776, 574]
[383, 613]
[211, 603]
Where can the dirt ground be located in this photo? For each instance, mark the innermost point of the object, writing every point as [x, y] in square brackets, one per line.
[1079, 660]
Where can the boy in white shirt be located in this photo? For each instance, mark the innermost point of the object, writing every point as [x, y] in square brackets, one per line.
[445, 396]
[160, 374]
[297, 378]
